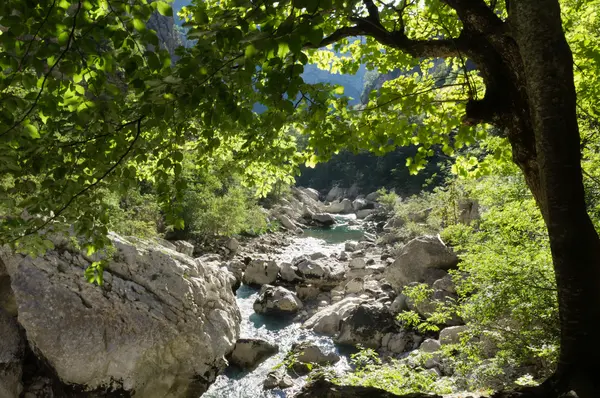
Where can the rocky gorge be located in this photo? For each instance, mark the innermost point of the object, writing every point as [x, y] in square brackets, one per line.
[168, 320]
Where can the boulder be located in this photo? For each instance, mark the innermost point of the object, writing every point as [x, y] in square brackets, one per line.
[350, 246]
[335, 193]
[468, 211]
[343, 256]
[288, 272]
[393, 223]
[366, 324]
[359, 204]
[430, 345]
[451, 335]
[324, 219]
[399, 304]
[317, 255]
[260, 272]
[276, 300]
[400, 342]
[446, 284]
[12, 353]
[233, 245]
[373, 196]
[424, 259]
[355, 286]
[160, 325]
[357, 263]
[307, 292]
[327, 320]
[312, 193]
[288, 224]
[308, 354]
[278, 378]
[236, 268]
[248, 353]
[184, 247]
[364, 213]
[344, 206]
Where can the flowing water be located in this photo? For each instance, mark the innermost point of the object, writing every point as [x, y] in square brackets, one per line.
[242, 384]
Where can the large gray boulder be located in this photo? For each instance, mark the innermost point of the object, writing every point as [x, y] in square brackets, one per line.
[184, 247]
[366, 324]
[424, 259]
[160, 326]
[248, 353]
[327, 321]
[344, 206]
[335, 193]
[276, 300]
[360, 204]
[12, 352]
[324, 219]
[308, 354]
[260, 272]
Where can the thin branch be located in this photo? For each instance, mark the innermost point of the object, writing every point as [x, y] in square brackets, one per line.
[138, 122]
[409, 95]
[62, 54]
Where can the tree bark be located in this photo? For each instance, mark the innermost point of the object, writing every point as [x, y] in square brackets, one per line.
[575, 245]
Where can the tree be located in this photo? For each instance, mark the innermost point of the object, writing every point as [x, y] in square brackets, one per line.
[526, 66]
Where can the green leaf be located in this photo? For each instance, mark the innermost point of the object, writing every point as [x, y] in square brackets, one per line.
[164, 8]
[33, 131]
[138, 24]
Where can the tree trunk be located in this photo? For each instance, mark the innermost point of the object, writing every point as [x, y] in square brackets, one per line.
[575, 245]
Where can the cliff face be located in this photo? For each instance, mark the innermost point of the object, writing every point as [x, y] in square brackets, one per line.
[168, 36]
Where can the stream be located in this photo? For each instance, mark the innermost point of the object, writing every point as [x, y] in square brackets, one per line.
[235, 383]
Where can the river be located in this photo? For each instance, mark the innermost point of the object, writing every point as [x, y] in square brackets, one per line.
[237, 384]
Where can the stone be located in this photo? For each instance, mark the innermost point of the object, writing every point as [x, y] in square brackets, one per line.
[366, 324]
[394, 223]
[373, 196]
[398, 343]
[317, 255]
[399, 304]
[327, 320]
[288, 272]
[350, 246]
[344, 206]
[12, 353]
[358, 253]
[307, 292]
[354, 286]
[451, 335]
[236, 268]
[287, 223]
[424, 260]
[430, 345]
[335, 193]
[357, 263]
[278, 378]
[359, 204]
[312, 193]
[276, 300]
[312, 269]
[248, 353]
[308, 353]
[324, 219]
[233, 245]
[364, 213]
[343, 256]
[446, 284]
[260, 272]
[184, 247]
[160, 326]
[468, 211]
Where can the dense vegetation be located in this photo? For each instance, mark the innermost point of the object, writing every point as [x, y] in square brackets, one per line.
[98, 126]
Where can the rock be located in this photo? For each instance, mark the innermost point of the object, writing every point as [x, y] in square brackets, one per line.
[12, 352]
[366, 325]
[317, 255]
[233, 245]
[307, 292]
[288, 272]
[393, 223]
[184, 247]
[358, 253]
[423, 259]
[323, 388]
[373, 196]
[260, 272]
[468, 211]
[343, 256]
[248, 353]
[335, 193]
[354, 286]
[350, 246]
[451, 335]
[430, 345]
[420, 216]
[312, 193]
[324, 219]
[364, 213]
[278, 378]
[399, 304]
[344, 207]
[357, 263]
[276, 300]
[446, 284]
[236, 268]
[359, 204]
[308, 354]
[398, 343]
[327, 320]
[160, 325]
[288, 224]
[353, 191]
